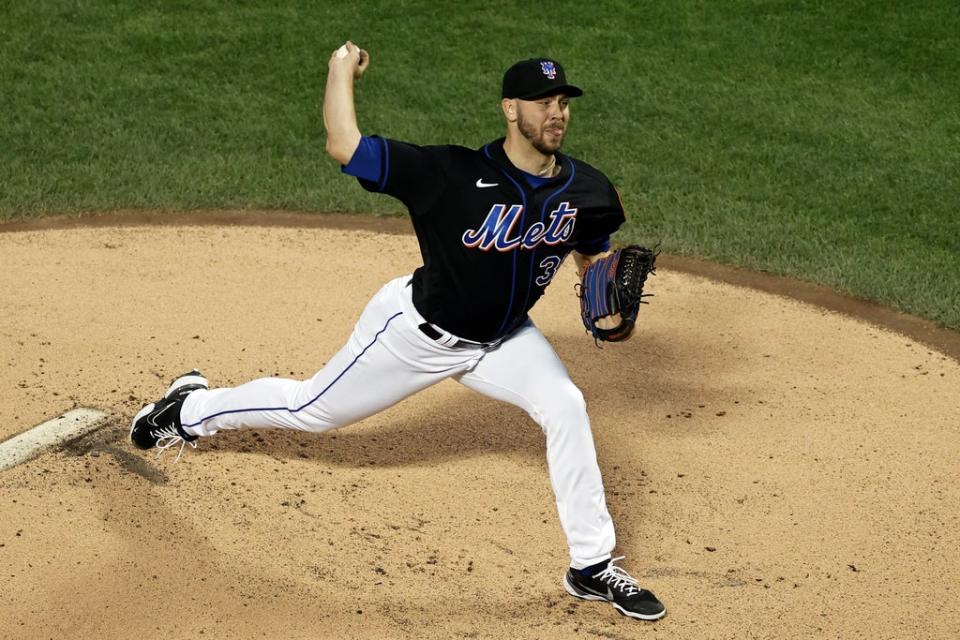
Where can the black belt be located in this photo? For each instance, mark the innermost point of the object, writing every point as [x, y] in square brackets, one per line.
[431, 332]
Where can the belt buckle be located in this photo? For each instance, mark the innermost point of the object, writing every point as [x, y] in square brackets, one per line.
[490, 346]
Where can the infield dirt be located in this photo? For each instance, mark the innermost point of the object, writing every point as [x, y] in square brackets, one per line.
[774, 469]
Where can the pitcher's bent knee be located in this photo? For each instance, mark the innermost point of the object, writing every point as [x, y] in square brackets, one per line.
[564, 405]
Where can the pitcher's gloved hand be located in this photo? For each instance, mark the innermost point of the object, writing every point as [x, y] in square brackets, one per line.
[613, 285]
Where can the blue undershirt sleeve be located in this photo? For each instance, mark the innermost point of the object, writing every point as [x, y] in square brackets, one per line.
[367, 160]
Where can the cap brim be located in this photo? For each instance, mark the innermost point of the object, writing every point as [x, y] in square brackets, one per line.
[567, 89]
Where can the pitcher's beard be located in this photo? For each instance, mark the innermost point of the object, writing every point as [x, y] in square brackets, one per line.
[537, 139]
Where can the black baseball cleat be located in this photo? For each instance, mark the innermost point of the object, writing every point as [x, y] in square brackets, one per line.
[158, 423]
[617, 587]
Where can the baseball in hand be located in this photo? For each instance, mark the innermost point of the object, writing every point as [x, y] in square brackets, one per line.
[342, 51]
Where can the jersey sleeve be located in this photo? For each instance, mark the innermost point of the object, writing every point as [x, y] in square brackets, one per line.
[604, 218]
[593, 246]
[411, 173]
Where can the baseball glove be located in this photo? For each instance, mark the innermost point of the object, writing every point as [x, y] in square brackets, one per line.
[614, 285]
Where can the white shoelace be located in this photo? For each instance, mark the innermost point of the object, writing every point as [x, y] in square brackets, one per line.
[168, 437]
[618, 578]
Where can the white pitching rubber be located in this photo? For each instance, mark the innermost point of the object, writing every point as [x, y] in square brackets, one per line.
[49, 434]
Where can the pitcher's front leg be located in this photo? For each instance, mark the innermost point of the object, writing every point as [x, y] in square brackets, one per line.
[526, 372]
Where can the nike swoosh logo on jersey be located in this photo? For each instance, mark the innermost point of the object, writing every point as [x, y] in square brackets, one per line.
[483, 185]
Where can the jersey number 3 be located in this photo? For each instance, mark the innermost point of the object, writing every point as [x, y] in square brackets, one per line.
[549, 266]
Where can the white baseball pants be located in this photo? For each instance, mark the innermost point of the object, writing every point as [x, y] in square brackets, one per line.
[388, 358]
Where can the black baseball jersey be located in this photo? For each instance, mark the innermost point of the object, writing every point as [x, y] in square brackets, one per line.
[490, 241]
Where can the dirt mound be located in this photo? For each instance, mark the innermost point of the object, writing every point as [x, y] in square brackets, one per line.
[774, 469]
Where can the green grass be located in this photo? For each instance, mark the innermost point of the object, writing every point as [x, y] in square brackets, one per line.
[813, 139]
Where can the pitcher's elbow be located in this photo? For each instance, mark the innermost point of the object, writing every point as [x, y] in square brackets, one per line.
[341, 150]
[334, 151]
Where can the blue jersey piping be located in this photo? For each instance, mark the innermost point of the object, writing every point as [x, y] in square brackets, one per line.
[386, 165]
[513, 280]
[543, 213]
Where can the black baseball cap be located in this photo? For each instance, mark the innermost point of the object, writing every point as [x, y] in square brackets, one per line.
[535, 78]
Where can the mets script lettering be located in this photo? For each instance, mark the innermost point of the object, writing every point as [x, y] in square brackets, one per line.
[498, 230]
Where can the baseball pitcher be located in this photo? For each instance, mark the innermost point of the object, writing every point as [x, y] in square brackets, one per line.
[494, 225]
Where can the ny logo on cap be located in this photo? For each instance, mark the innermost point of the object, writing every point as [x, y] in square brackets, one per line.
[549, 69]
